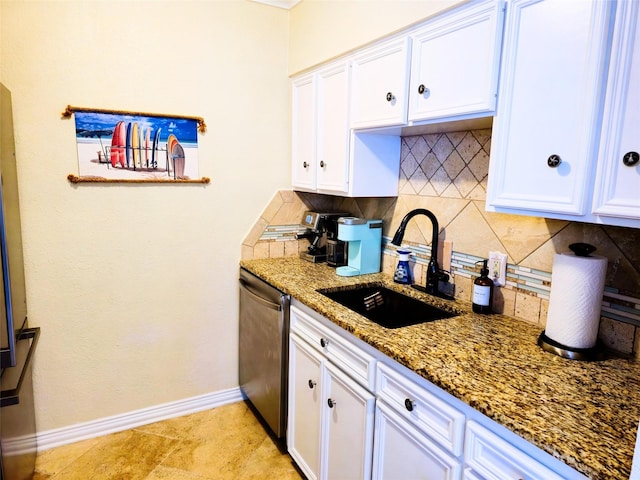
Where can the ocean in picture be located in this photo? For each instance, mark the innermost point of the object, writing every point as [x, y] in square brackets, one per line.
[136, 147]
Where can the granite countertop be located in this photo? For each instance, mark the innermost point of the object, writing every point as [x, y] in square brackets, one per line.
[583, 413]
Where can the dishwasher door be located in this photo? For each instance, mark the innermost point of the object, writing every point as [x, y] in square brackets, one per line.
[263, 349]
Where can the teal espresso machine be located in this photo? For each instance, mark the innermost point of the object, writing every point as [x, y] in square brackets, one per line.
[365, 245]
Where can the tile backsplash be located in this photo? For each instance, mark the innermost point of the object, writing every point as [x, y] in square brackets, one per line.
[447, 174]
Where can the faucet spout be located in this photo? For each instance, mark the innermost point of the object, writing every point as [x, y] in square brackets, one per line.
[434, 274]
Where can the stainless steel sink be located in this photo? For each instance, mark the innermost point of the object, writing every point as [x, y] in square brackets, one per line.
[384, 306]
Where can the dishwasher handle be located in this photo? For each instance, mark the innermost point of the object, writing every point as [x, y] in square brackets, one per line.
[259, 299]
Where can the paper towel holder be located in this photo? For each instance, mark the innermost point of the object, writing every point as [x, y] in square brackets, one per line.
[582, 249]
[586, 354]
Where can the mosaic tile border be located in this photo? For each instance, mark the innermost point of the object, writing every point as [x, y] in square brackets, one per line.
[281, 233]
[537, 283]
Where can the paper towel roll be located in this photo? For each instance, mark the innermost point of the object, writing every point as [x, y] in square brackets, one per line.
[577, 285]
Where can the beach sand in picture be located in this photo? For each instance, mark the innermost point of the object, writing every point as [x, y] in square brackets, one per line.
[93, 163]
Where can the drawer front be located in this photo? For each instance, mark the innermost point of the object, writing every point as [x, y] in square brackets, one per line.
[354, 361]
[494, 458]
[422, 409]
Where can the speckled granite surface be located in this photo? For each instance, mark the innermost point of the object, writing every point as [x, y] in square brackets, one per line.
[583, 413]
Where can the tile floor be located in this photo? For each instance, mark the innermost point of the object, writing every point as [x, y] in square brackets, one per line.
[227, 442]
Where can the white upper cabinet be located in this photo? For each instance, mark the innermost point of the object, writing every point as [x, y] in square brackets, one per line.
[303, 133]
[617, 188]
[546, 131]
[320, 130]
[332, 133]
[455, 62]
[326, 156]
[565, 141]
[379, 83]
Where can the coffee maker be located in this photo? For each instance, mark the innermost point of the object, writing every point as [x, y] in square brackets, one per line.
[322, 232]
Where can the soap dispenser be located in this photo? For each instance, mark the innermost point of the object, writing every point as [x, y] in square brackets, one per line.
[483, 291]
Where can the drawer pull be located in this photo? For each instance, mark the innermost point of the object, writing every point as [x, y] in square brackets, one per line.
[324, 342]
[554, 160]
[390, 97]
[409, 404]
[422, 90]
[331, 403]
[312, 384]
[631, 159]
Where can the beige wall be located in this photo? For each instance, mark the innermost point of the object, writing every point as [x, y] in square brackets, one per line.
[323, 29]
[134, 287]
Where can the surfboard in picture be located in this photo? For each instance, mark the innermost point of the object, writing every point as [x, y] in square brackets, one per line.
[135, 145]
[171, 141]
[154, 150]
[177, 154]
[115, 146]
[128, 144]
[147, 142]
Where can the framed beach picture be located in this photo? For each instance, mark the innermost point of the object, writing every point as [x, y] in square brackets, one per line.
[120, 146]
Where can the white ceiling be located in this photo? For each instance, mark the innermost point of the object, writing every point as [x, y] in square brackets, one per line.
[286, 4]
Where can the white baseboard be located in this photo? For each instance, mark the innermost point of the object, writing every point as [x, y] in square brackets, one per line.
[117, 423]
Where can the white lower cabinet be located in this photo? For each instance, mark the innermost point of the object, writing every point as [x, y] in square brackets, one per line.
[338, 385]
[347, 441]
[402, 451]
[330, 432]
[305, 382]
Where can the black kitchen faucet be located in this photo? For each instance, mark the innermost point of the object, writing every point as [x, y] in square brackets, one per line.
[434, 273]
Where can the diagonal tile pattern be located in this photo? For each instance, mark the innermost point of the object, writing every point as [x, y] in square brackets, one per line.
[450, 165]
[227, 442]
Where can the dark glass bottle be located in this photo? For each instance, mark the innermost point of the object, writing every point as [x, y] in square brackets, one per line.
[483, 291]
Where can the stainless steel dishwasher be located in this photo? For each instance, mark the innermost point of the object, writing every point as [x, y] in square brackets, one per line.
[263, 350]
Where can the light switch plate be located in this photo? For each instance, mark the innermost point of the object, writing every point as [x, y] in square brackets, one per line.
[498, 268]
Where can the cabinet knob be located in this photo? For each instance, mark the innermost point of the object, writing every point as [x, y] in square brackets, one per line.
[554, 160]
[312, 384]
[305, 164]
[324, 342]
[390, 97]
[422, 89]
[322, 164]
[331, 403]
[409, 404]
[631, 159]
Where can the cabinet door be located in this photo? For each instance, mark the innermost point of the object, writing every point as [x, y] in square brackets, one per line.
[546, 128]
[379, 83]
[332, 154]
[303, 129]
[348, 428]
[303, 432]
[455, 60]
[402, 451]
[617, 189]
